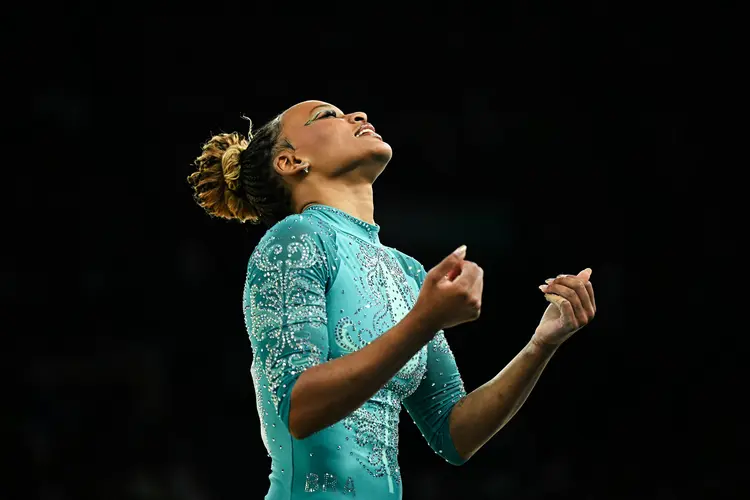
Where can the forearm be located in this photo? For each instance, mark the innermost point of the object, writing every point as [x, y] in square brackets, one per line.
[326, 393]
[483, 412]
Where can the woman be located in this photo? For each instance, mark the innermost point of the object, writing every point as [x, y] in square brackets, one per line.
[344, 330]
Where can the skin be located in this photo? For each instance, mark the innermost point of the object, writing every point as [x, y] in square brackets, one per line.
[476, 418]
[341, 167]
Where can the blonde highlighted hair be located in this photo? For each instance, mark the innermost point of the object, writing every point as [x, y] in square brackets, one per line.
[235, 178]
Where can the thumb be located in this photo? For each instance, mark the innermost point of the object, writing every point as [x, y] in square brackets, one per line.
[450, 261]
[585, 274]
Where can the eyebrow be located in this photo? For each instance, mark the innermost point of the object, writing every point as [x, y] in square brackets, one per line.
[321, 106]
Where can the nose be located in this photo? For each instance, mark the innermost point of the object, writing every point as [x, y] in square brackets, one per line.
[359, 116]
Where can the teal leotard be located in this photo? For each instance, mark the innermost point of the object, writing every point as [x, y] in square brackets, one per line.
[319, 286]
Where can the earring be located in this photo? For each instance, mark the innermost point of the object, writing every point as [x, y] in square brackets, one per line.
[307, 170]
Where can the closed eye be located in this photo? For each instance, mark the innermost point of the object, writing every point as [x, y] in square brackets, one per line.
[329, 113]
[326, 114]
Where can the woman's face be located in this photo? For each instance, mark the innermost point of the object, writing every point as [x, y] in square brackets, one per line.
[330, 142]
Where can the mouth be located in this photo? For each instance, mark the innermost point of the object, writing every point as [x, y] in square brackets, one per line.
[367, 130]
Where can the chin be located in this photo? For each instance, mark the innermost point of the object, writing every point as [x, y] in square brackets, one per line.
[370, 161]
[382, 153]
[379, 158]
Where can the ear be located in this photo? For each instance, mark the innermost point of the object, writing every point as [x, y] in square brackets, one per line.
[287, 164]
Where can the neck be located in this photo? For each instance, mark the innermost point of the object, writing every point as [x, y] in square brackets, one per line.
[354, 199]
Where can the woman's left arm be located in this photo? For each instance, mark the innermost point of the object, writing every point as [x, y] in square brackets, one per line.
[482, 413]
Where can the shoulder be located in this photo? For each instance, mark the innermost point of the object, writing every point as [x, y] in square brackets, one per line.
[296, 225]
[299, 241]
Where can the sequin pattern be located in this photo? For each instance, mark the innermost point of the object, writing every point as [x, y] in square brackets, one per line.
[330, 484]
[256, 374]
[286, 301]
[440, 344]
[321, 285]
[384, 290]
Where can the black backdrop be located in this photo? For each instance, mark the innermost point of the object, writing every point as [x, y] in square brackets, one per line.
[545, 139]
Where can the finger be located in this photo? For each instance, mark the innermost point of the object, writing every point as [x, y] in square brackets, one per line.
[565, 307]
[478, 287]
[469, 273]
[585, 275]
[559, 276]
[448, 263]
[571, 296]
[590, 290]
[579, 286]
[475, 292]
[453, 273]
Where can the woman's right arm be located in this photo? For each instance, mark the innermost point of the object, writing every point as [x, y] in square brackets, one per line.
[326, 393]
[285, 311]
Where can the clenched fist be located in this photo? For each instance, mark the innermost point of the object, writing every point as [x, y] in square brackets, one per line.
[452, 292]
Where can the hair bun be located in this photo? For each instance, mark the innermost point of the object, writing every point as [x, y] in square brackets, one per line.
[231, 165]
[217, 179]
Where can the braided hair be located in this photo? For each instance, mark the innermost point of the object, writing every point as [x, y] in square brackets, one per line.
[235, 178]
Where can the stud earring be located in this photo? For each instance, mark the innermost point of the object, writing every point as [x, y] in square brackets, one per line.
[307, 170]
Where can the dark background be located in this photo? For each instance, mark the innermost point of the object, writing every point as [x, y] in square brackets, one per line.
[547, 139]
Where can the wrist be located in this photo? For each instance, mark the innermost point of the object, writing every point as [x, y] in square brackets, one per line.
[422, 325]
[537, 346]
